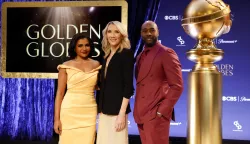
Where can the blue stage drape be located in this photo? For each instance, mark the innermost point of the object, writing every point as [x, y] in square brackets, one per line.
[26, 108]
[139, 12]
[27, 105]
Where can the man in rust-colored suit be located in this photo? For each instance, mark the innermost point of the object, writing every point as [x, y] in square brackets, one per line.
[159, 85]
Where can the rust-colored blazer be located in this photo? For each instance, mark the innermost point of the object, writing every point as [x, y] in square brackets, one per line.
[159, 84]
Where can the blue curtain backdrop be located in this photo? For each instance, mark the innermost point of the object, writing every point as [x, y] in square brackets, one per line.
[139, 12]
[27, 105]
[26, 108]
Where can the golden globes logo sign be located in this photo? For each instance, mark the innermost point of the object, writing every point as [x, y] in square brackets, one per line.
[33, 50]
[36, 35]
[226, 69]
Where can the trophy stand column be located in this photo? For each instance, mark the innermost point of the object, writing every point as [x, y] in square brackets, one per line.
[204, 97]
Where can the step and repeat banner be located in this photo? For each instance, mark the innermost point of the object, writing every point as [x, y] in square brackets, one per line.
[35, 38]
[235, 66]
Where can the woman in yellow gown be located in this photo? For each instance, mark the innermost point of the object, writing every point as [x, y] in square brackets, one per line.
[75, 111]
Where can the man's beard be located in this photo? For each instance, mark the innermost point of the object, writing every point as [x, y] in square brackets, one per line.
[154, 40]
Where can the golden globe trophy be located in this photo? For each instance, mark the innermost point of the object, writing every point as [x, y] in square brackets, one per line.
[205, 20]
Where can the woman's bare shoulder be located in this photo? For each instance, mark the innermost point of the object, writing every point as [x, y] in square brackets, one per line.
[95, 63]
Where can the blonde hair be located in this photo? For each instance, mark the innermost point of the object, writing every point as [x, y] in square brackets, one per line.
[125, 43]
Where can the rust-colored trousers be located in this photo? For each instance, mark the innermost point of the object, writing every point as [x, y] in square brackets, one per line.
[155, 131]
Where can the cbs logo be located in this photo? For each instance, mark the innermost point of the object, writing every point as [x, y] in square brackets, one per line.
[171, 17]
[229, 98]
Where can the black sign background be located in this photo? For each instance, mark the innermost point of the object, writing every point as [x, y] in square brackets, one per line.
[19, 19]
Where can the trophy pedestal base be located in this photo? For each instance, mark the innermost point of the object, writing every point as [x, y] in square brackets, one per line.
[204, 107]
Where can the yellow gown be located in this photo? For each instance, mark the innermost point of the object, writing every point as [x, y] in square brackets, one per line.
[79, 109]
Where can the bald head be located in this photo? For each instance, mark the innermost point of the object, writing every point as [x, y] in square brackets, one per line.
[149, 23]
[149, 33]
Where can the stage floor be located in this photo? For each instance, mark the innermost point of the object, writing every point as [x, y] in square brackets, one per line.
[133, 139]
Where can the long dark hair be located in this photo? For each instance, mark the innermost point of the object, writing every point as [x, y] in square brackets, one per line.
[73, 42]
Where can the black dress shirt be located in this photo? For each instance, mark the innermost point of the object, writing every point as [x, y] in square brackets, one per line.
[117, 84]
